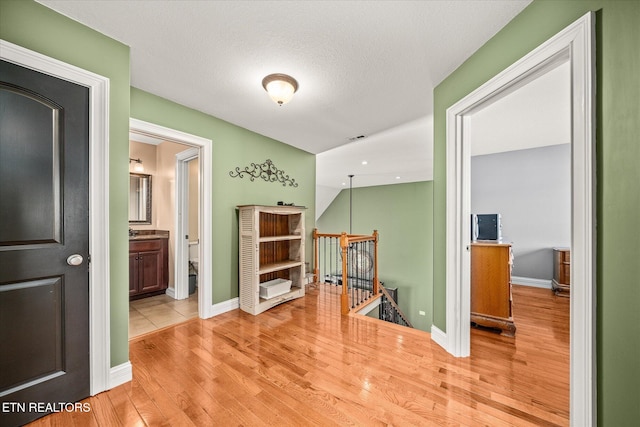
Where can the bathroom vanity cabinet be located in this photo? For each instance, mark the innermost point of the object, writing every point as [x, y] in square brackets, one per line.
[148, 264]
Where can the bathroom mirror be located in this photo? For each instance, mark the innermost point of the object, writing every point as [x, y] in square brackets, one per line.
[139, 198]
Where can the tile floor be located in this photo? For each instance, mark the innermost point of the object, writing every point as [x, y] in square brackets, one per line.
[149, 314]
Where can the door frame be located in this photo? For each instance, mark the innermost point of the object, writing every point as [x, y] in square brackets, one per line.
[575, 44]
[205, 271]
[182, 220]
[99, 273]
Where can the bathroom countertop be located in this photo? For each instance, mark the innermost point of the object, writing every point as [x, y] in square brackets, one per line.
[150, 234]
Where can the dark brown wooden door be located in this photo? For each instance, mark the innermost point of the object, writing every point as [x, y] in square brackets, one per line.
[44, 220]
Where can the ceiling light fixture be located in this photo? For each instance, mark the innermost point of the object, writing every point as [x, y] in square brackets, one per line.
[138, 167]
[280, 87]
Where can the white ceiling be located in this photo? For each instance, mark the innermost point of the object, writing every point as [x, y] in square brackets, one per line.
[364, 68]
[535, 115]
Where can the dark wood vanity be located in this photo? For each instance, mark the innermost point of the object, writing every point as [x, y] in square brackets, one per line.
[148, 263]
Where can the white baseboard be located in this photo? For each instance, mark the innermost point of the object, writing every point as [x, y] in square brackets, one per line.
[223, 307]
[369, 307]
[439, 337]
[120, 374]
[528, 281]
[171, 292]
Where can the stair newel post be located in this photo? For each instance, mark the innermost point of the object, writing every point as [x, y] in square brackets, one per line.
[344, 298]
[316, 257]
[376, 283]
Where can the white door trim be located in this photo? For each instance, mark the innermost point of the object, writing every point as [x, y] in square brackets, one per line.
[99, 274]
[576, 42]
[205, 272]
[182, 221]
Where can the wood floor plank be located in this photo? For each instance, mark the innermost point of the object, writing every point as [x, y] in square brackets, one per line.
[302, 363]
[102, 409]
[125, 409]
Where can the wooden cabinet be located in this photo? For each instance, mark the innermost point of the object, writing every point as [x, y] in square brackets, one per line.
[148, 267]
[271, 246]
[561, 282]
[491, 286]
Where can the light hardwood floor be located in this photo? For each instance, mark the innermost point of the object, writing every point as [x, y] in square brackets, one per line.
[301, 363]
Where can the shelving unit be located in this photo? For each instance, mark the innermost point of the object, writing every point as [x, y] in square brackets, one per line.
[271, 246]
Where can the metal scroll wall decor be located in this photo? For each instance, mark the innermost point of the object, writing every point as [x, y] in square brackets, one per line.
[267, 171]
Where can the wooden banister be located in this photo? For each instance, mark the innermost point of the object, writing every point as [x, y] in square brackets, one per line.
[345, 242]
[376, 282]
[344, 298]
[316, 258]
[359, 289]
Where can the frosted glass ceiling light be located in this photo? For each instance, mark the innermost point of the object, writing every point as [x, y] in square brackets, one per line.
[280, 87]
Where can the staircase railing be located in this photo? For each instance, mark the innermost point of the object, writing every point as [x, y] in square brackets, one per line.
[390, 311]
[350, 261]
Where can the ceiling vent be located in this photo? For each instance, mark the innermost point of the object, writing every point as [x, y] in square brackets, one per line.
[355, 138]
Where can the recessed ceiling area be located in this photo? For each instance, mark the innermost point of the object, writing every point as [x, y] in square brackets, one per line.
[363, 68]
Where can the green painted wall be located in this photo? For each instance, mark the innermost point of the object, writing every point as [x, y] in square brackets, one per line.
[618, 174]
[402, 214]
[40, 29]
[31, 25]
[235, 147]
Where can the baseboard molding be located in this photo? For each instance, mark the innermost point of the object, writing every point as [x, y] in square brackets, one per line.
[120, 374]
[171, 292]
[224, 306]
[439, 337]
[528, 281]
[367, 308]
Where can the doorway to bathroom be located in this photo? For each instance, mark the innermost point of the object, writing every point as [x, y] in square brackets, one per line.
[176, 164]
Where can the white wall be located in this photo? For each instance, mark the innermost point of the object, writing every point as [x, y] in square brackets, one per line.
[532, 190]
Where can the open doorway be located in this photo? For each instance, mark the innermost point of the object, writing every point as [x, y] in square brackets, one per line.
[156, 243]
[575, 43]
[520, 187]
[180, 212]
[520, 177]
[187, 222]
